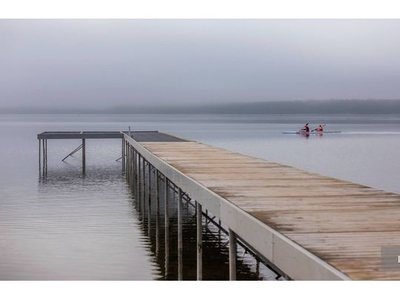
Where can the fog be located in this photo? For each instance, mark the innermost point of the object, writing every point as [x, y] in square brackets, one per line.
[100, 65]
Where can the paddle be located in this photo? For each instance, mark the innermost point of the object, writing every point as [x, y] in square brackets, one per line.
[317, 128]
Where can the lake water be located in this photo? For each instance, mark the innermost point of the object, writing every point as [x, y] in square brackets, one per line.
[70, 227]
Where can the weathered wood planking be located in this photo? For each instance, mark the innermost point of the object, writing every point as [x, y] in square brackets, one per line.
[343, 223]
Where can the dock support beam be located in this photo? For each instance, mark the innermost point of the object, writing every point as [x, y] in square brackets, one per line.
[73, 152]
[149, 200]
[232, 255]
[166, 212]
[40, 156]
[83, 156]
[180, 243]
[137, 177]
[123, 154]
[143, 197]
[157, 175]
[43, 157]
[139, 181]
[199, 241]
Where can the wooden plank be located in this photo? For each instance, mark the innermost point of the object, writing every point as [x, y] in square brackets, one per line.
[359, 254]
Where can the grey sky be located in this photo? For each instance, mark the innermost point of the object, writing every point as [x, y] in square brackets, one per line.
[102, 63]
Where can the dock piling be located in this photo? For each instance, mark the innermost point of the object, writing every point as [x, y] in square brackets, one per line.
[157, 198]
[149, 200]
[42, 157]
[180, 243]
[83, 156]
[199, 237]
[232, 255]
[124, 146]
[166, 216]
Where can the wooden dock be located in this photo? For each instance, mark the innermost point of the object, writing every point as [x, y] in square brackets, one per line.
[309, 226]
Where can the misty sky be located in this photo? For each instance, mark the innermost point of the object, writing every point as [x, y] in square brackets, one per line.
[103, 63]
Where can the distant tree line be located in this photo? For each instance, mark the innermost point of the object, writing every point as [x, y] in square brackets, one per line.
[278, 107]
[350, 106]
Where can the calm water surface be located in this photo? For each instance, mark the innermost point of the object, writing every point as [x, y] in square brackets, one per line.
[69, 226]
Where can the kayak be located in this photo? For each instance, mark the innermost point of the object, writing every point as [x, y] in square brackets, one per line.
[311, 132]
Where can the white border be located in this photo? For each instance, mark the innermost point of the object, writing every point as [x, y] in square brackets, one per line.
[199, 9]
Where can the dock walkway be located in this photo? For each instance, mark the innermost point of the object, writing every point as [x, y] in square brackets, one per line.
[309, 226]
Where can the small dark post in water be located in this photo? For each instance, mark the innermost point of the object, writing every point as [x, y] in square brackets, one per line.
[199, 242]
[232, 255]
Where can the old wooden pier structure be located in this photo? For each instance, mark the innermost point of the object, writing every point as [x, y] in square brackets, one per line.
[306, 226]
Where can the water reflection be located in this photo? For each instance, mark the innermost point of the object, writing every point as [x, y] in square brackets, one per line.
[160, 223]
[112, 218]
[85, 229]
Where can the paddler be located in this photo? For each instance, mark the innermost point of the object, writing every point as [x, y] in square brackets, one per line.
[320, 128]
[306, 128]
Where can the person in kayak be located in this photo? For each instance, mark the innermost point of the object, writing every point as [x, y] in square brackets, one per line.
[306, 128]
[320, 128]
